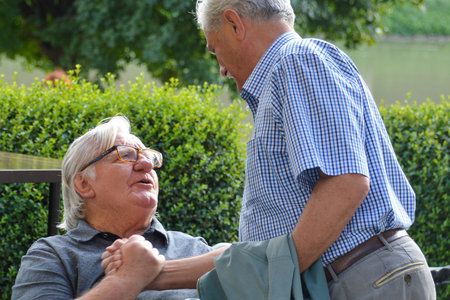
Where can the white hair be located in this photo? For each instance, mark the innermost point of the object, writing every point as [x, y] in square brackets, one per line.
[79, 154]
[209, 11]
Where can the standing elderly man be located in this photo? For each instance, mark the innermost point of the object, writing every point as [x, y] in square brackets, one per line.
[110, 191]
[320, 163]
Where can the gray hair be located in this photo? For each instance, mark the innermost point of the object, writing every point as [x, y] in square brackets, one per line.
[79, 154]
[209, 11]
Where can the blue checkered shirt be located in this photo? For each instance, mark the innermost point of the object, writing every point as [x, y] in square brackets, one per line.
[312, 110]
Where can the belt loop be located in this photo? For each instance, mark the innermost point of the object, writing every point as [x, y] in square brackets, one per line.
[332, 273]
[383, 240]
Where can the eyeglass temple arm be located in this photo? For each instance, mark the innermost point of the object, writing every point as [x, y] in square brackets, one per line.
[100, 157]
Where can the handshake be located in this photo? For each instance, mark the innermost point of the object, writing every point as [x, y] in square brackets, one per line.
[133, 260]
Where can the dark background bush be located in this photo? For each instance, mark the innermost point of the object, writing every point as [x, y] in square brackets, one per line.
[420, 136]
[201, 180]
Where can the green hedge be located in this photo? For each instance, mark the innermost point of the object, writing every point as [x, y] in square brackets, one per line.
[420, 136]
[202, 178]
[201, 181]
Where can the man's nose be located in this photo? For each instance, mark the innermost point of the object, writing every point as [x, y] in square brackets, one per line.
[143, 163]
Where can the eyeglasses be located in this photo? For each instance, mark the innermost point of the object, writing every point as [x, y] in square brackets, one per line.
[130, 154]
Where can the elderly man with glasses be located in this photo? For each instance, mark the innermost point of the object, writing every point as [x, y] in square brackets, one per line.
[110, 192]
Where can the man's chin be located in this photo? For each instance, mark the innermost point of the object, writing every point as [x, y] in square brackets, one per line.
[149, 200]
[239, 87]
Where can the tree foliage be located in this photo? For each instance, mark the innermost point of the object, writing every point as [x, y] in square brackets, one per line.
[432, 18]
[104, 36]
[351, 21]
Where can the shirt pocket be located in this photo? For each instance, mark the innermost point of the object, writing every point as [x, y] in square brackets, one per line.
[256, 167]
[268, 173]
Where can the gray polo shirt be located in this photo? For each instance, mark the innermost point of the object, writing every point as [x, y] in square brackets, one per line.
[66, 266]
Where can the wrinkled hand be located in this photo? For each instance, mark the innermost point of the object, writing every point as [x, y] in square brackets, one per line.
[134, 258]
[112, 257]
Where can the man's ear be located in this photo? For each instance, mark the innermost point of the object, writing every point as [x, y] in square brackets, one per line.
[233, 19]
[83, 187]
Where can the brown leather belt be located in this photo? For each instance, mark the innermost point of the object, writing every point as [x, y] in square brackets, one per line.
[372, 244]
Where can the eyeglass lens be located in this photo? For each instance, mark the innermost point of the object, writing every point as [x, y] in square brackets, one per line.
[131, 154]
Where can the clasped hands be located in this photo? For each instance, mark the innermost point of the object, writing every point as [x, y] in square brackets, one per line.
[133, 258]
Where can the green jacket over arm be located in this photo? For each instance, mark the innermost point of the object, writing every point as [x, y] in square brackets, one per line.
[263, 270]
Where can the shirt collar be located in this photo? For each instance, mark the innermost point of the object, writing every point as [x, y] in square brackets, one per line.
[85, 232]
[254, 85]
[157, 227]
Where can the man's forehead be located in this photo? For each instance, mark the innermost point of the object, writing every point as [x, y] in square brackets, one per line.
[128, 139]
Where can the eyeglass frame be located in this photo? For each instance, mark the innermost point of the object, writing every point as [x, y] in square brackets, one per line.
[138, 150]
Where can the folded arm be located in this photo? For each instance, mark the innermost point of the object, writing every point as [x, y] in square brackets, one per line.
[330, 207]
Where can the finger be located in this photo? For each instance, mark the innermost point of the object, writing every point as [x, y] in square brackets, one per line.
[162, 258]
[106, 255]
[116, 245]
[110, 272]
[107, 261]
[110, 258]
[155, 251]
[112, 267]
[136, 237]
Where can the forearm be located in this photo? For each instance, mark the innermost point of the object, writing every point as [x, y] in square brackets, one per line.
[331, 205]
[184, 273]
[114, 287]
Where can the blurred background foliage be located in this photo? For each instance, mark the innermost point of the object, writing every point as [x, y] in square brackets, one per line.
[431, 18]
[104, 36]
